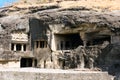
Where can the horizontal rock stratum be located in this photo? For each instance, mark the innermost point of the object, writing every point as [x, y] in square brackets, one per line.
[51, 74]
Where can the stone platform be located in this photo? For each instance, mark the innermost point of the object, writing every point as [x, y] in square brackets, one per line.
[50, 74]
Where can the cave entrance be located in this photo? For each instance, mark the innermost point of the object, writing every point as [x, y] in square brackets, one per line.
[67, 41]
[26, 62]
[101, 39]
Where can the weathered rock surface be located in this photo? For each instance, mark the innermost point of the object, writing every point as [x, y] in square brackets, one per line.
[72, 18]
[50, 74]
[110, 58]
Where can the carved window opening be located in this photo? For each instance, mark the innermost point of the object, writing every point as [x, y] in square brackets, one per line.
[41, 44]
[37, 44]
[61, 45]
[12, 47]
[24, 47]
[18, 47]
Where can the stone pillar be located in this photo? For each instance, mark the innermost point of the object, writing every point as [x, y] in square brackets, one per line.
[33, 62]
[53, 44]
[64, 45]
[84, 43]
[84, 38]
[82, 59]
[39, 44]
[45, 44]
[82, 65]
[14, 47]
[22, 47]
[35, 44]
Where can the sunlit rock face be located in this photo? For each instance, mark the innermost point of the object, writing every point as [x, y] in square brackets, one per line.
[51, 37]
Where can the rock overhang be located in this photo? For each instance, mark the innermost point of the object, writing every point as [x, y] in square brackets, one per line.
[69, 17]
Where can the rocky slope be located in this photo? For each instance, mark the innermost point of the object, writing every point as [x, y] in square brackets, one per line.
[94, 4]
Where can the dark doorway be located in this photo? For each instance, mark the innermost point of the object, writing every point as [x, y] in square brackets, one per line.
[26, 62]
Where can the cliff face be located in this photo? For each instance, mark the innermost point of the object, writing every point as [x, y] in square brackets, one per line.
[94, 24]
[63, 12]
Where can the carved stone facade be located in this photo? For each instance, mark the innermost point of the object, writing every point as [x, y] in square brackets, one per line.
[55, 45]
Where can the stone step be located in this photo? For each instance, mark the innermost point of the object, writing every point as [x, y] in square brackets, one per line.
[51, 74]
